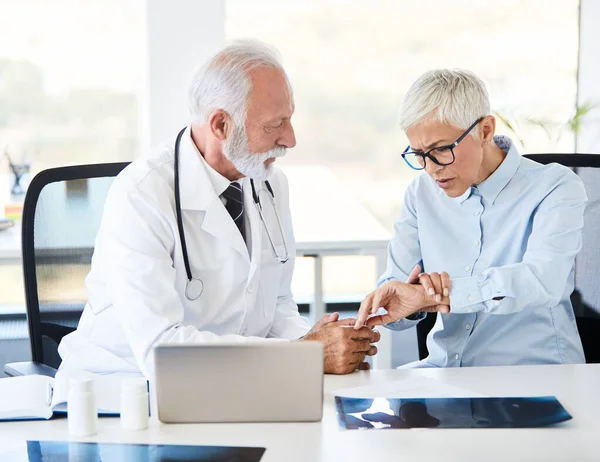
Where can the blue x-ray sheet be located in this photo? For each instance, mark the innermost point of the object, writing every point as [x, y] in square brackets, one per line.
[59, 451]
[387, 413]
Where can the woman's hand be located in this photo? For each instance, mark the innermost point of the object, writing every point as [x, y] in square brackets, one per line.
[427, 292]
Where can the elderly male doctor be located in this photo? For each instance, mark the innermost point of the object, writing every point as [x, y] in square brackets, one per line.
[237, 284]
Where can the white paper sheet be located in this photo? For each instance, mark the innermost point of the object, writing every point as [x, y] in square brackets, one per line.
[25, 397]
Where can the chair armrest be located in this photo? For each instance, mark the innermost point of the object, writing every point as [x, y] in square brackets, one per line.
[28, 368]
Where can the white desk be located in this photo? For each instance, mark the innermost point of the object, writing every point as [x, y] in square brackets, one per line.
[577, 440]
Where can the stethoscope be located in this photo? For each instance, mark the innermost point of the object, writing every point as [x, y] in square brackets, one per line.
[194, 286]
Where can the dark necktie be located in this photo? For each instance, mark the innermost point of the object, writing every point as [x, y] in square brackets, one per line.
[235, 205]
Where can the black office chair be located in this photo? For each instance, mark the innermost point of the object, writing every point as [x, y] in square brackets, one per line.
[586, 296]
[61, 216]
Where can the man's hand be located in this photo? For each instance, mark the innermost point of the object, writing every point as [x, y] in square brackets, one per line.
[399, 299]
[345, 347]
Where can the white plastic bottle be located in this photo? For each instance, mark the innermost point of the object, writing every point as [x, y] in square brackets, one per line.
[82, 413]
[134, 404]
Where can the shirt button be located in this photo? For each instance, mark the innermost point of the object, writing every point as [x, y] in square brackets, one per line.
[467, 268]
[470, 310]
[456, 357]
[476, 243]
[476, 213]
[468, 326]
[470, 298]
[496, 302]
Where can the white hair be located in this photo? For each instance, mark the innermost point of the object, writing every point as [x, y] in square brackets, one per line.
[451, 96]
[224, 83]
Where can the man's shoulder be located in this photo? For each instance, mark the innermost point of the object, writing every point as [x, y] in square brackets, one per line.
[147, 181]
[150, 173]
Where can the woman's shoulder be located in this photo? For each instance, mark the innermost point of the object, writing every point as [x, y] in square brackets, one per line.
[552, 173]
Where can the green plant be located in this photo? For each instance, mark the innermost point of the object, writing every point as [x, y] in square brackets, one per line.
[553, 129]
[512, 124]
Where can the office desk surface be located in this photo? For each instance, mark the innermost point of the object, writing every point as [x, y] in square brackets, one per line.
[577, 440]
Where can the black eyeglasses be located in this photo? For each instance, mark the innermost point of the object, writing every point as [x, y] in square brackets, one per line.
[441, 155]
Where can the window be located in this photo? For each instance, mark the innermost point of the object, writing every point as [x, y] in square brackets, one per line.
[350, 63]
[69, 74]
[68, 77]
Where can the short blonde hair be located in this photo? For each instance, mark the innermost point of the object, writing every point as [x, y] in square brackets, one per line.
[452, 96]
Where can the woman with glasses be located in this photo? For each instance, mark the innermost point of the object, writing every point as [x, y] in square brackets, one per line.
[485, 237]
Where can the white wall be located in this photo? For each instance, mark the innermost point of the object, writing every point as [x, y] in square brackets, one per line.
[589, 74]
[179, 35]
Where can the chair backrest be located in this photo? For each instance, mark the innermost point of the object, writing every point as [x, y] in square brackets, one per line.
[61, 216]
[586, 296]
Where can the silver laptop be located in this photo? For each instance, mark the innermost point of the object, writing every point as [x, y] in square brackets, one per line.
[239, 382]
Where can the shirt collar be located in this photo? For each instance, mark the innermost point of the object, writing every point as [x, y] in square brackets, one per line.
[497, 181]
[218, 181]
[199, 181]
[491, 187]
[463, 197]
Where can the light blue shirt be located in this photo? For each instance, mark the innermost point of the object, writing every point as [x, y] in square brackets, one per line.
[515, 236]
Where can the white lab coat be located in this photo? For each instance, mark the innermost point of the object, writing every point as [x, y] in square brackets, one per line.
[136, 285]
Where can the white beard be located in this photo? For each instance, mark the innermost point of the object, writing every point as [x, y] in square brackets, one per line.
[250, 164]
